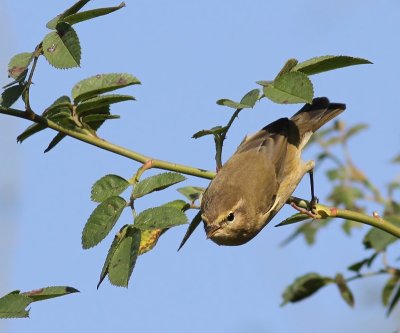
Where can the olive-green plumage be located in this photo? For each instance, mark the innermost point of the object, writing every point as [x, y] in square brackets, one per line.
[254, 184]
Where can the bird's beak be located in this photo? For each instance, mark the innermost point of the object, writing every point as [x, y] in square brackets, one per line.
[211, 229]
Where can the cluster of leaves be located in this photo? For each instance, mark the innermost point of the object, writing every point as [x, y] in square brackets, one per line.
[142, 235]
[352, 190]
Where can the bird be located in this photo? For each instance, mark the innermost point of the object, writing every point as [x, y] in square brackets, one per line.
[258, 179]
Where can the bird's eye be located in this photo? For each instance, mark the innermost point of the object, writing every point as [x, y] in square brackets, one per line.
[230, 217]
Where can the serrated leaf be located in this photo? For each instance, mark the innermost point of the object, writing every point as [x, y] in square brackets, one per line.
[49, 292]
[149, 239]
[91, 14]
[354, 130]
[101, 83]
[160, 218]
[178, 204]
[289, 88]
[304, 286]
[192, 227]
[288, 66]
[108, 186]
[344, 290]
[213, 131]
[156, 183]
[192, 193]
[117, 239]
[387, 290]
[94, 118]
[102, 220]
[327, 63]
[124, 258]
[378, 239]
[100, 101]
[61, 48]
[11, 95]
[18, 64]
[356, 267]
[56, 140]
[14, 305]
[394, 301]
[76, 7]
[295, 218]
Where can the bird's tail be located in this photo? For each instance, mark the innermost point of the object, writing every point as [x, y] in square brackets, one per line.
[312, 116]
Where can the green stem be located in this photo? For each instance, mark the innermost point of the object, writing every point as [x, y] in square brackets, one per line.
[98, 142]
[323, 212]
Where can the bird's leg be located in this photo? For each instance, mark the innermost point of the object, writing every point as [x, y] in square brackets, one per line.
[314, 199]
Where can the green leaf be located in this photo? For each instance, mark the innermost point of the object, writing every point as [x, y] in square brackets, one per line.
[378, 239]
[289, 88]
[192, 227]
[231, 104]
[101, 83]
[304, 286]
[102, 220]
[387, 290]
[394, 301]
[356, 267]
[11, 95]
[287, 67]
[298, 217]
[354, 130]
[49, 292]
[156, 183]
[160, 218]
[178, 204]
[91, 14]
[327, 63]
[14, 305]
[18, 64]
[99, 101]
[192, 193]
[149, 239]
[56, 140]
[349, 225]
[248, 100]
[94, 118]
[344, 289]
[337, 173]
[213, 131]
[117, 239]
[108, 186]
[308, 230]
[52, 24]
[124, 258]
[61, 48]
[345, 195]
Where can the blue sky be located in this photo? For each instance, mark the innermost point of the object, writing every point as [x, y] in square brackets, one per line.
[188, 55]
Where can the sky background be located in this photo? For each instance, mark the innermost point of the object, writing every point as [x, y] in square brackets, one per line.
[188, 54]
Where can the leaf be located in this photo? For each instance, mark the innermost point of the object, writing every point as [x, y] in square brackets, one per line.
[378, 239]
[231, 104]
[356, 267]
[99, 101]
[344, 289]
[124, 258]
[354, 130]
[396, 159]
[91, 14]
[304, 286]
[96, 117]
[327, 63]
[345, 195]
[289, 88]
[70, 11]
[61, 48]
[160, 218]
[192, 227]
[287, 67]
[394, 301]
[101, 83]
[308, 230]
[250, 98]
[337, 173]
[13, 306]
[108, 186]
[49, 292]
[18, 64]
[11, 95]
[298, 217]
[349, 225]
[192, 193]
[117, 239]
[56, 140]
[387, 290]
[213, 131]
[102, 220]
[149, 239]
[178, 204]
[156, 183]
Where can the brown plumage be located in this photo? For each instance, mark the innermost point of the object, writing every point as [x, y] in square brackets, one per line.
[254, 184]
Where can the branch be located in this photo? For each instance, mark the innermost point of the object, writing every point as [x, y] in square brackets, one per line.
[323, 212]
